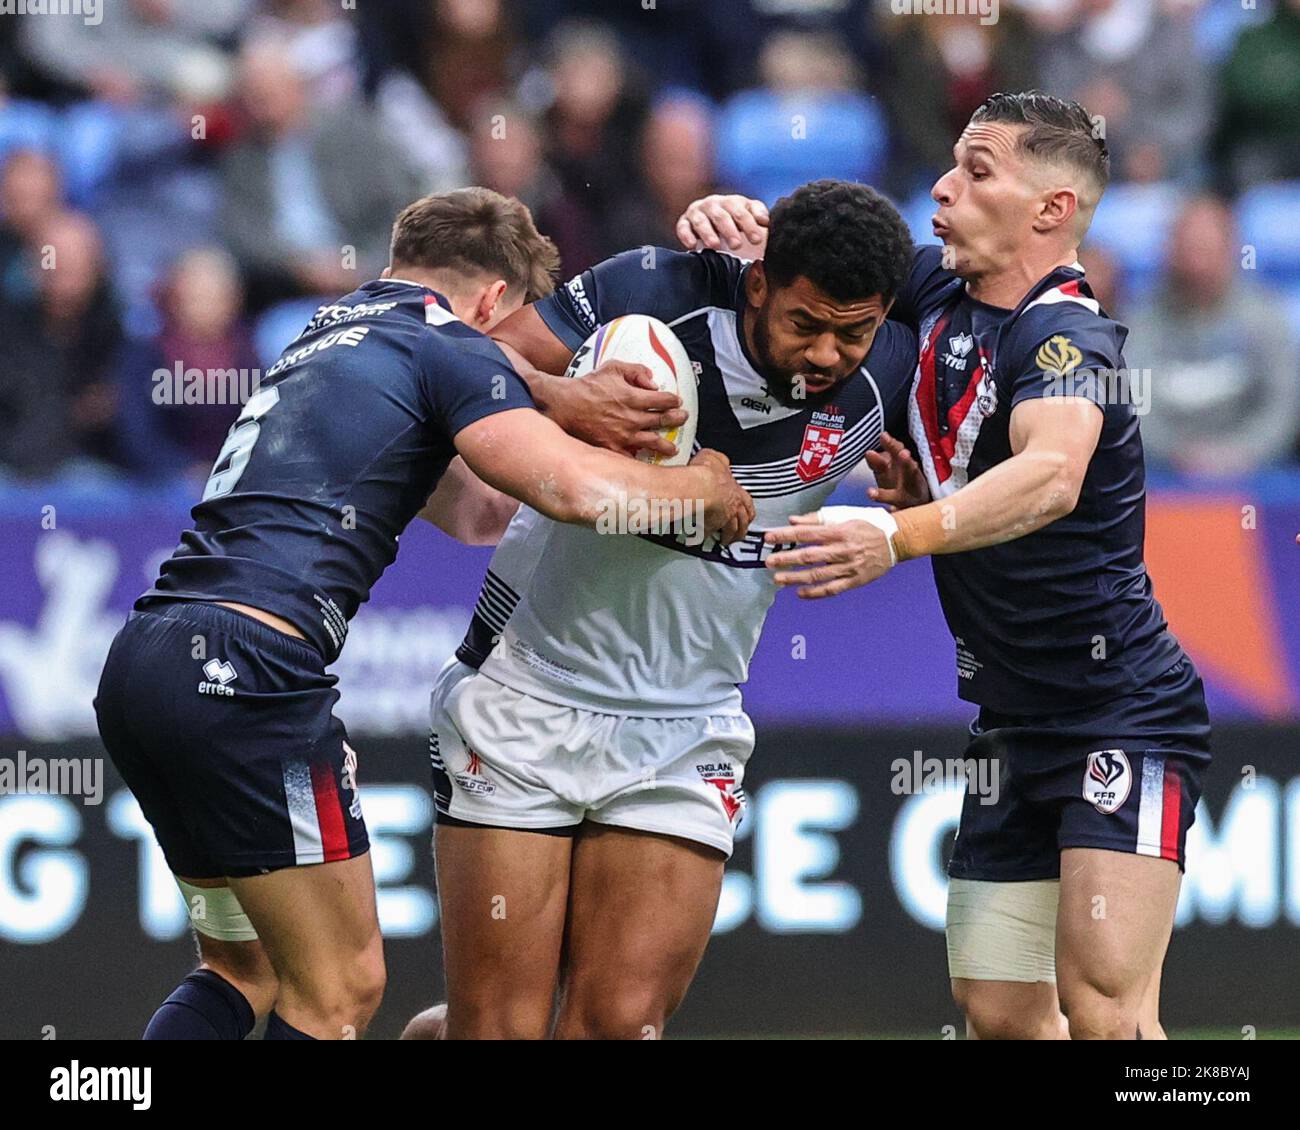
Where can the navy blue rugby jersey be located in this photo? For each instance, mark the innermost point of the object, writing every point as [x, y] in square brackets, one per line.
[664, 623]
[332, 457]
[1062, 618]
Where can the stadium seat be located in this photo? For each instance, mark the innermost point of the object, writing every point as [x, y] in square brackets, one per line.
[1218, 25]
[1132, 223]
[88, 145]
[1267, 214]
[279, 325]
[26, 125]
[1291, 299]
[769, 144]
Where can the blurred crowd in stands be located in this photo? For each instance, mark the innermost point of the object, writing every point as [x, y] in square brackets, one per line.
[183, 181]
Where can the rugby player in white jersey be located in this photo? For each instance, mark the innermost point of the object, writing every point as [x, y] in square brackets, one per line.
[589, 742]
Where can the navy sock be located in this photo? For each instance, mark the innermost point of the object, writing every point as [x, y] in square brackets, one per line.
[278, 1029]
[205, 1006]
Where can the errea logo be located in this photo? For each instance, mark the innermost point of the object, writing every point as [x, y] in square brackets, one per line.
[219, 674]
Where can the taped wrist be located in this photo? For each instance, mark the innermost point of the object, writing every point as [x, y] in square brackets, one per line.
[877, 516]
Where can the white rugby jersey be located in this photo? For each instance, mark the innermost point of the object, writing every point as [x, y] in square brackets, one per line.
[648, 624]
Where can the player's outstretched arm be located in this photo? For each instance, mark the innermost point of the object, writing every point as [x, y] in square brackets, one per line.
[721, 222]
[616, 406]
[464, 507]
[529, 457]
[1052, 441]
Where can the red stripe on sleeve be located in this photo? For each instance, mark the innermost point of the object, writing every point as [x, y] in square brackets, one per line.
[927, 403]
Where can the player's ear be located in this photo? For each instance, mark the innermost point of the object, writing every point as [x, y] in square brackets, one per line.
[489, 299]
[386, 273]
[1055, 209]
[756, 284]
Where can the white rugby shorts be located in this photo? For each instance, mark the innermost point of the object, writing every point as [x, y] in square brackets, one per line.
[507, 759]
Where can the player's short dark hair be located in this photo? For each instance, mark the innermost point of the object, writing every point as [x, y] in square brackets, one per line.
[843, 237]
[475, 231]
[1056, 130]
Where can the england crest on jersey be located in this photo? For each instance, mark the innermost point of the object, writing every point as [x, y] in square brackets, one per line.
[821, 440]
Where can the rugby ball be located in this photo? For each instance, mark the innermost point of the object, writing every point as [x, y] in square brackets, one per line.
[643, 340]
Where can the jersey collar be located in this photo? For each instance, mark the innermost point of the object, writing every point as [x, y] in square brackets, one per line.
[441, 298]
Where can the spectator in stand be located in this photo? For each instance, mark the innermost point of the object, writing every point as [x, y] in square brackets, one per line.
[395, 41]
[140, 47]
[309, 196]
[507, 156]
[1135, 64]
[676, 168]
[808, 120]
[56, 400]
[1258, 133]
[470, 56]
[1224, 385]
[31, 193]
[318, 39]
[940, 69]
[713, 46]
[202, 330]
[594, 120]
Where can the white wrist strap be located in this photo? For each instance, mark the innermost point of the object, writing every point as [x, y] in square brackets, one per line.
[878, 516]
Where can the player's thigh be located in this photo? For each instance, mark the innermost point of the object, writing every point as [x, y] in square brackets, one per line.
[1001, 957]
[641, 906]
[503, 894]
[1114, 921]
[320, 930]
[1122, 838]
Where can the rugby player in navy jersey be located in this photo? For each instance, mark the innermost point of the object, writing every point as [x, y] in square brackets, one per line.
[215, 703]
[1028, 492]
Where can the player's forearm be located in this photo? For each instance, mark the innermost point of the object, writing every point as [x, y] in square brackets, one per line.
[603, 489]
[1027, 492]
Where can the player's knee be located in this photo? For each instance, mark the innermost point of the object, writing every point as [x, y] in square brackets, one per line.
[1099, 1011]
[246, 967]
[992, 1014]
[626, 1011]
[344, 996]
[481, 1018]
[365, 982]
